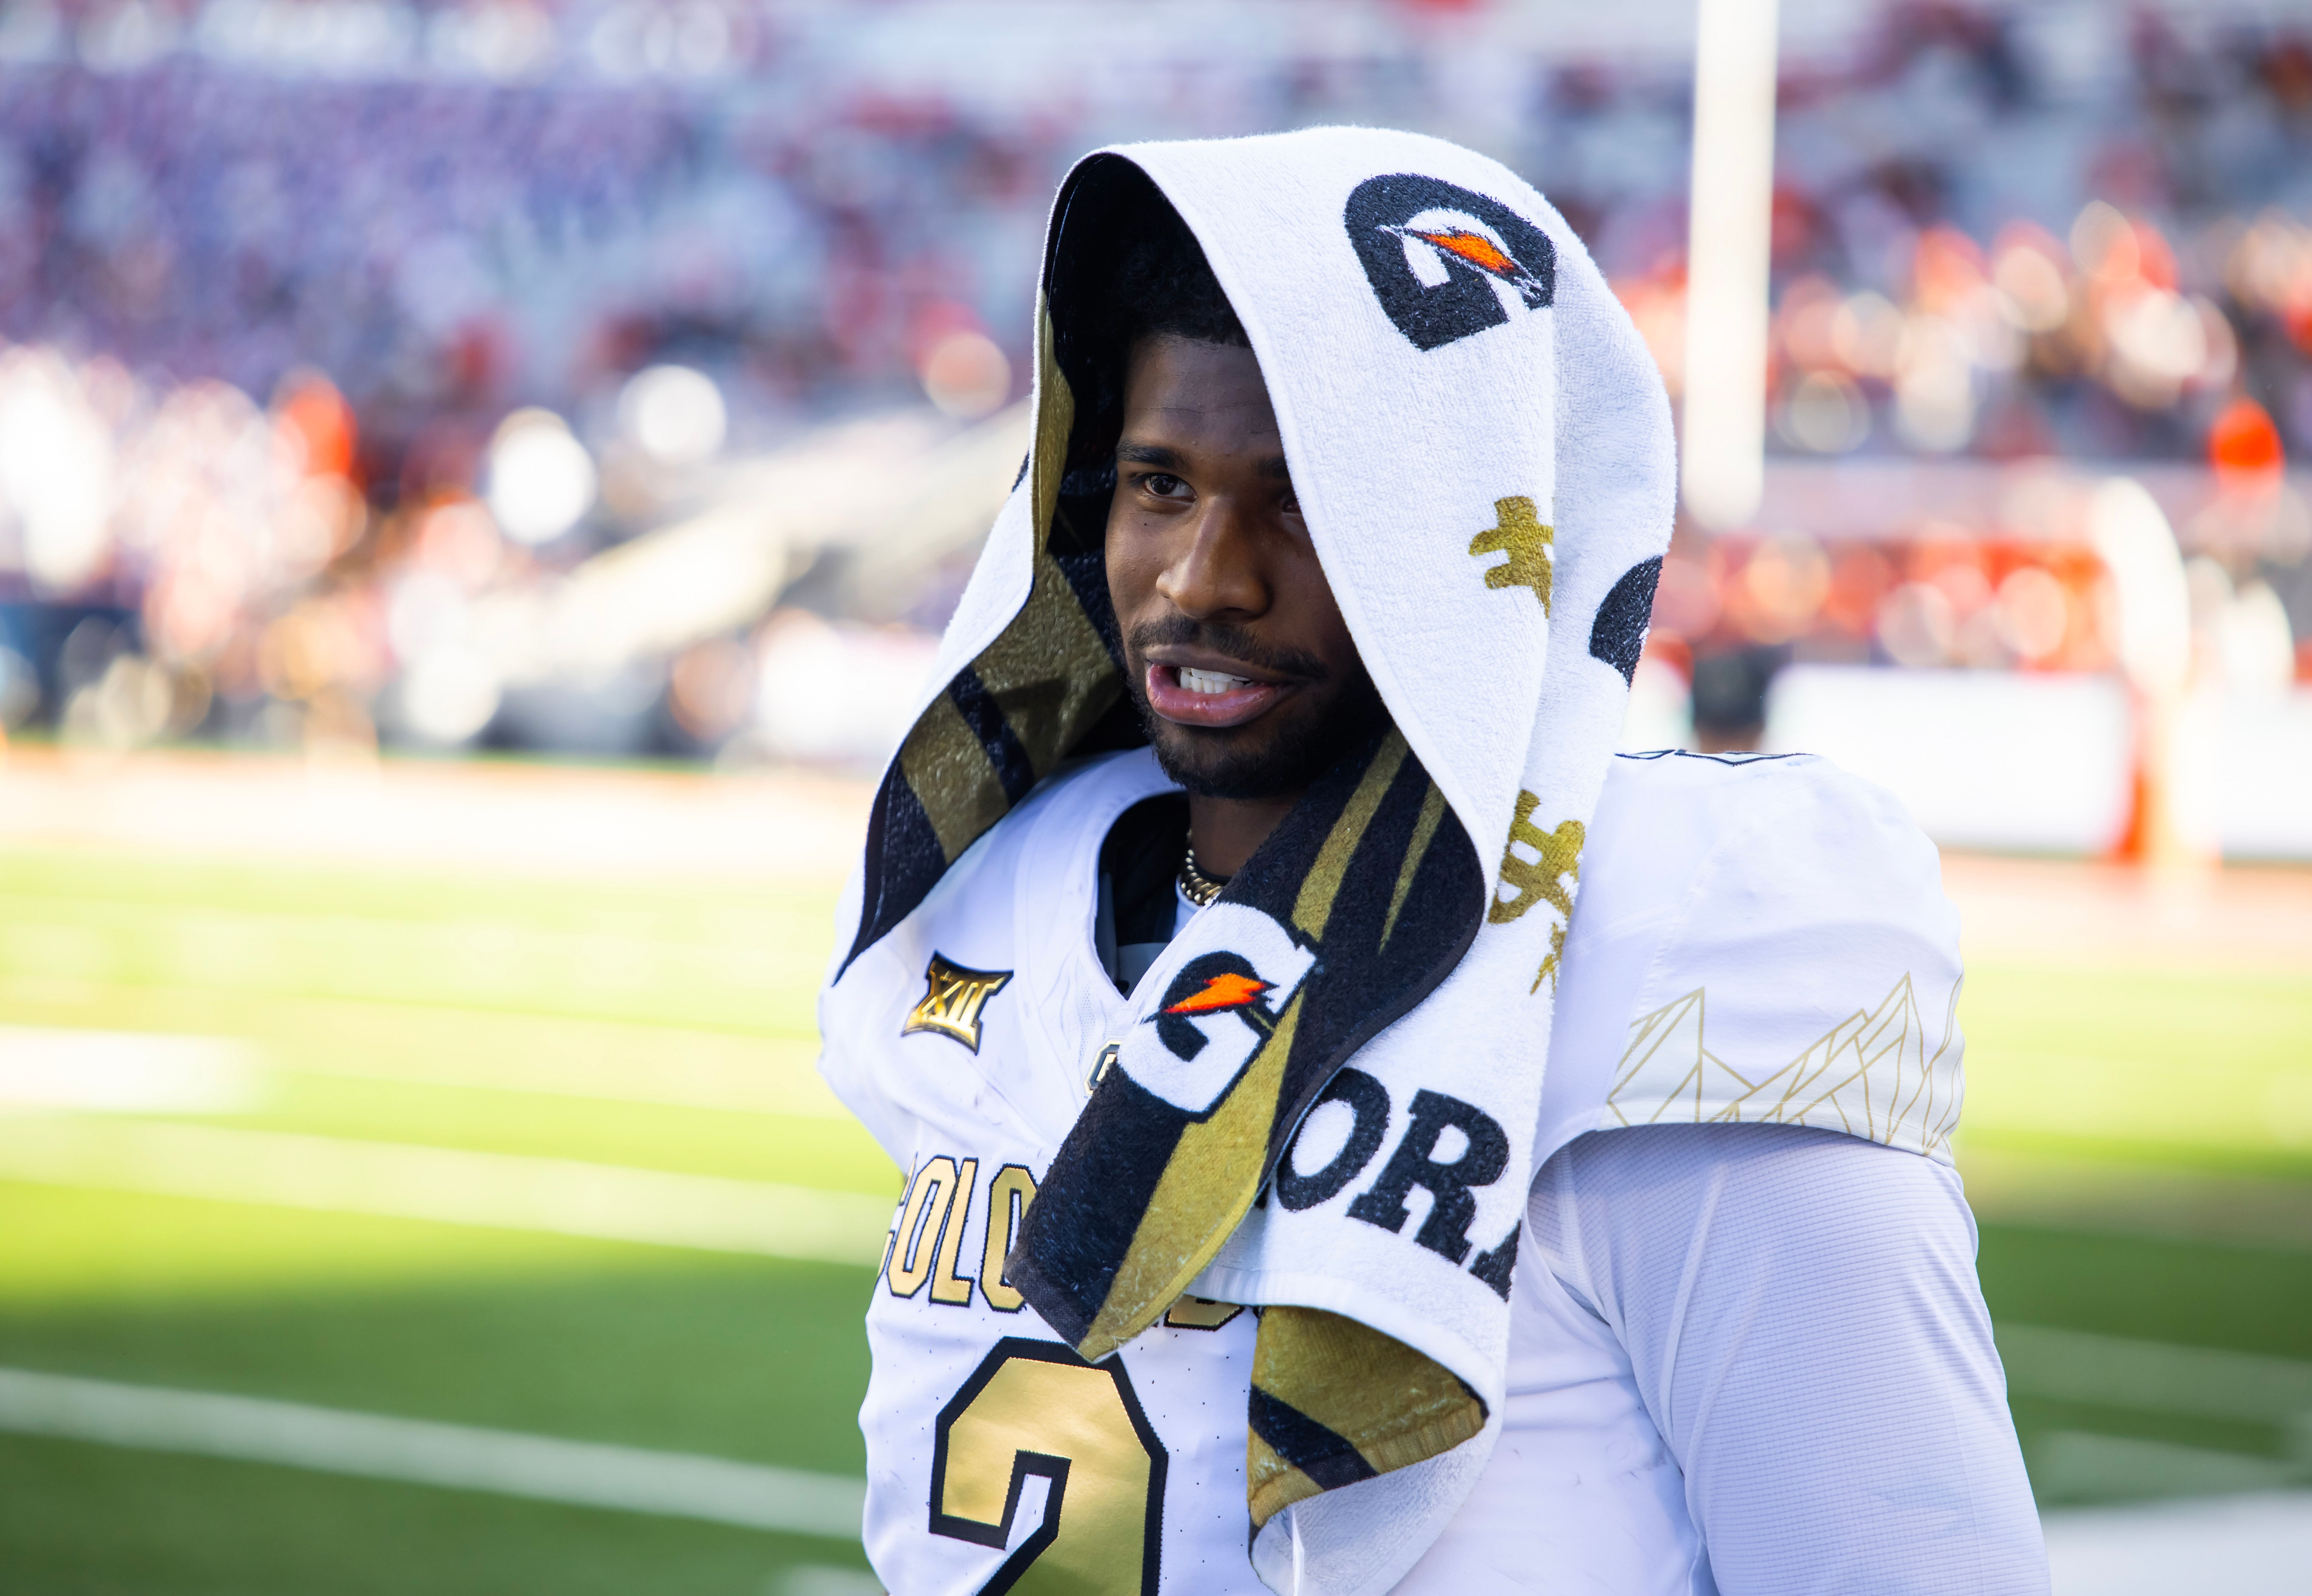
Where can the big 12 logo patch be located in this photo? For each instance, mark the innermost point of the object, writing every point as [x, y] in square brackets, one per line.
[1445, 262]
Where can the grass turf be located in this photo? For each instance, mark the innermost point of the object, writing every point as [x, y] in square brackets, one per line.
[2183, 1067]
[671, 1029]
[89, 1521]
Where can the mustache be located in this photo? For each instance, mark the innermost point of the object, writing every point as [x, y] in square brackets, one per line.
[1234, 642]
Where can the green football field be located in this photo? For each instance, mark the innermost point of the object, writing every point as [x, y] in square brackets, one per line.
[2139, 1141]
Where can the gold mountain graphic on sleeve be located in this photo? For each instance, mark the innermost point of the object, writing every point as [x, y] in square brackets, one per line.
[1869, 1075]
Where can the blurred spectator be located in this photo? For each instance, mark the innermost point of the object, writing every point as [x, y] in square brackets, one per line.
[515, 282]
[1730, 699]
[449, 223]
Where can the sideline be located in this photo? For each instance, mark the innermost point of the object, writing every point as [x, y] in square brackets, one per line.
[457, 1457]
[399, 1180]
[534, 818]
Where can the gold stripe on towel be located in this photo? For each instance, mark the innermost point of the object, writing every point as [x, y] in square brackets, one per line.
[1322, 885]
[1049, 671]
[1425, 830]
[945, 763]
[1396, 1406]
[1201, 1197]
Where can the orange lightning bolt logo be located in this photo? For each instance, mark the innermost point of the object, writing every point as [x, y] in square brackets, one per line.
[1474, 248]
[1225, 991]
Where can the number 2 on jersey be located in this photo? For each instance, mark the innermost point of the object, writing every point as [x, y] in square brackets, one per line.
[1036, 1408]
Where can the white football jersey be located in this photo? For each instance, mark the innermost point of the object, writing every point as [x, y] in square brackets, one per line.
[1755, 939]
[967, 1040]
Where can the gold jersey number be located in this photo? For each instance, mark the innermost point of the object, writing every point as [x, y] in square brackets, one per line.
[1035, 1407]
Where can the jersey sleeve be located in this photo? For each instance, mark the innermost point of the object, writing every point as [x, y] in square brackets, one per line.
[1757, 940]
[1801, 1318]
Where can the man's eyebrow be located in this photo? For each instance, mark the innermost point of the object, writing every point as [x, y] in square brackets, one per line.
[1272, 468]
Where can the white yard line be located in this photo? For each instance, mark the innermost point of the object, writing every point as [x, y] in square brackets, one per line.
[2154, 1376]
[49, 1067]
[2242, 1545]
[766, 1085]
[398, 1180]
[2254, 1544]
[44, 1067]
[584, 1473]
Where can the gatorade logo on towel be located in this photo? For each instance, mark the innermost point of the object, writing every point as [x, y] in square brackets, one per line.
[1219, 1007]
[1445, 262]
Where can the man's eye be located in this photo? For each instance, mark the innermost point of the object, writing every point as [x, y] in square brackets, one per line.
[1292, 503]
[1164, 485]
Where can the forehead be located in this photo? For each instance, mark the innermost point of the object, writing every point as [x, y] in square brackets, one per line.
[1208, 396]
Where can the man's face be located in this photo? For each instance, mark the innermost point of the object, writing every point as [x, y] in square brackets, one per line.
[1238, 655]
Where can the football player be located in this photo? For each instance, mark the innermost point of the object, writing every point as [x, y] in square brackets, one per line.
[1746, 1351]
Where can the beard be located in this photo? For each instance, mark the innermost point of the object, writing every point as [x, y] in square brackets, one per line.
[1334, 714]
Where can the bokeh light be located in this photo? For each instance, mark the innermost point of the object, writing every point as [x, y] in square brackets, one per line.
[55, 468]
[540, 478]
[674, 414]
[965, 374]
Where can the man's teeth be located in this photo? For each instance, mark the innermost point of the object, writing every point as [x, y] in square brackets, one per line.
[1210, 681]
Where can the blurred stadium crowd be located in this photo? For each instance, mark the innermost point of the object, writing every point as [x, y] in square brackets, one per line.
[345, 347]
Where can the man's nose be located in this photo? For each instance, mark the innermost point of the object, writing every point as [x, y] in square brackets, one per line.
[1217, 570]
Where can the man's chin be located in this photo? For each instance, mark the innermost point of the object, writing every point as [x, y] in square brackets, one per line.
[1213, 764]
[1238, 765]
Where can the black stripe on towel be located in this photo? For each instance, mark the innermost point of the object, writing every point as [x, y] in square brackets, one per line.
[985, 716]
[1309, 1446]
[1090, 1205]
[905, 861]
[1087, 575]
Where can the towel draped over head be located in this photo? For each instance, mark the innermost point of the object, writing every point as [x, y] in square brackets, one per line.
[1325, 1102]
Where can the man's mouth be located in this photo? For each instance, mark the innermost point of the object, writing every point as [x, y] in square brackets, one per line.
[1199, 696]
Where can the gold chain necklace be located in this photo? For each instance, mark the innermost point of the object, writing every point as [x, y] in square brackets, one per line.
[1196, 886]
